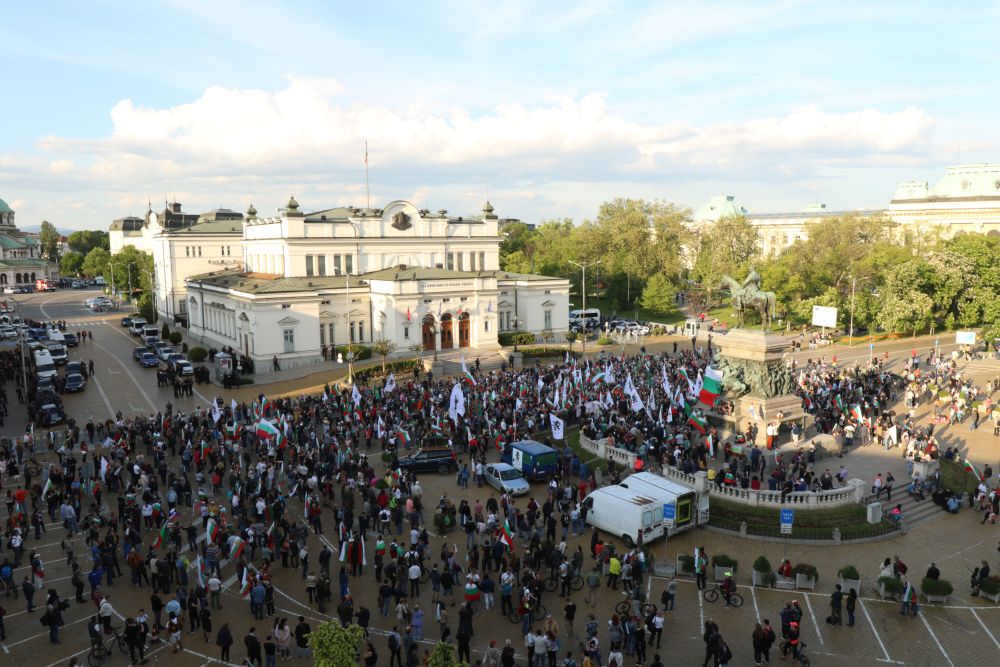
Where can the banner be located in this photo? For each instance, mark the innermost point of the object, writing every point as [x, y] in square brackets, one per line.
[558, 427]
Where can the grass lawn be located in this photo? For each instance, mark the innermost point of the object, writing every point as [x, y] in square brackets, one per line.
[852, 521]
[954, 477]
[636, 312]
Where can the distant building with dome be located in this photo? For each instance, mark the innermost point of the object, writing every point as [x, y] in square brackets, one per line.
[21, 262]
[966, 199]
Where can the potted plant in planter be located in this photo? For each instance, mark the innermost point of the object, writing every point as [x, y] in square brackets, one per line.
[990, 588]
[685, 564]
[763, 574]
[806, 576]
[936, 590]
[889, 587]
[850, 578]
[722, 564]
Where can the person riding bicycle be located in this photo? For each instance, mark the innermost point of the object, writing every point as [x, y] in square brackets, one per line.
[728, 587]
[95, 630]
[793, 641]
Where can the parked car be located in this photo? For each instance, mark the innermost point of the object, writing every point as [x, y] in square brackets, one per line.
[429, 459]
[182, 367]
[74, 383]
[164, 350]
[507, 479]
[145, 358]
[70, 340]
[76, 367]
[127, 322]
[50, 414]
[8, 332]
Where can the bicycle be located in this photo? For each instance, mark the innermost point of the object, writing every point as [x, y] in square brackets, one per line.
[712, 594]
[553, 582]
[101, 652]
[802, 658]
[538, 613]
[624, 608]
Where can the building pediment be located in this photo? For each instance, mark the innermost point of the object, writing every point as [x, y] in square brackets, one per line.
[244, 318]
[505, 304]
[288, 321]
[548, 304]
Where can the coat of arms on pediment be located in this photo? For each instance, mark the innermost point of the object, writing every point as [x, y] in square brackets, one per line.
[401, 221]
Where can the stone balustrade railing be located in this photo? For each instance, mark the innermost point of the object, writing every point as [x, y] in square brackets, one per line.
[853, 493]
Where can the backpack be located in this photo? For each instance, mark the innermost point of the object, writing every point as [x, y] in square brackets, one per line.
[725, 655]
[393, 642]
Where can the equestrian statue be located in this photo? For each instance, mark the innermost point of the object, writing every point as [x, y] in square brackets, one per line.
[748, 294]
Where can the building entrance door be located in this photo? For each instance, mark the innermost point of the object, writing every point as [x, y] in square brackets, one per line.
[463, 330]
[447, 342]
[428, 333]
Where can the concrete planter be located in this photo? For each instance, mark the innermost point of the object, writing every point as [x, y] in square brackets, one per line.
[936, 599]
[805, 582]
[885, 595]
[990, 596]
[681, 565]
[784, 583]
[847, 584]
[720, 572]
[762, 579]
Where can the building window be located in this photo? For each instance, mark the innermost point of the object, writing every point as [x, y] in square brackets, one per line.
[349, 264]
[460, 255]
[406, 333]
[321, 261]
[199, 251]
[482, 261]
[352, 332]
[451, 261]
[309, 265]
[322, 335]
[361, 331]
[333, 338]
[336, 265]
[289, 335]
[472, 261]
[486, 325]
[548, 319]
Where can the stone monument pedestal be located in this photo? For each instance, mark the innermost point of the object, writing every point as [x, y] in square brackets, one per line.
[759, 355]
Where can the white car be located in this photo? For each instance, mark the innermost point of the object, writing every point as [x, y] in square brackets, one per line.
[507, 479]
[8, 332]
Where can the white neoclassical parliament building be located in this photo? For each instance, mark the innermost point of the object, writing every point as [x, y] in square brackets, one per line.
[288, 285]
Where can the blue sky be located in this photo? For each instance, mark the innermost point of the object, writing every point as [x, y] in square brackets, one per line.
[550, 110]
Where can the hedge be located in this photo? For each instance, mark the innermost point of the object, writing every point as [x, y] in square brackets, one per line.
[175, 337]
[533, 352]
[197, 354]
[509, 338]
[361, 352]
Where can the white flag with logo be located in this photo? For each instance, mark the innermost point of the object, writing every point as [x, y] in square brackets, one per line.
[558, 427]
[456, 406]
[216, 412]
[356, 395]
[390, 384]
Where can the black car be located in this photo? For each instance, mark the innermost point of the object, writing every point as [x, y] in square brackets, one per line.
[430, 459]
[75, 383]
[127, 322]
[50, 415]
[70, 340]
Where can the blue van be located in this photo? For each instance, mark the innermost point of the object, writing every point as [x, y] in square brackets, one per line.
[537, 462]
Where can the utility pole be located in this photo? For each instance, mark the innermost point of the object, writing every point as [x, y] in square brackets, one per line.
[21, 337]
[854, 284]
[583, 269]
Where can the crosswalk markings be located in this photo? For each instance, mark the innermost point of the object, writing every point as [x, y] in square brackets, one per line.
[88, 323]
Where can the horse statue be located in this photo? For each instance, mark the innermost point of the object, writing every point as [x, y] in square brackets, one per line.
[750, 296]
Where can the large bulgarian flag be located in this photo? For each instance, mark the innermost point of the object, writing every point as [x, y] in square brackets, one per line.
[971, 468]
[858, 413]
[402, 436]
[471, 591]
[211, 530]
[698, 422]
[247, 583]
[266, 429]
[238, 545]
[506, 536]
[711, 386]
[910, 594]
[468, 376]
[161, 537]
[200, 568]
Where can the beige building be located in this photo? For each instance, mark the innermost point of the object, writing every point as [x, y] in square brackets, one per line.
[966, 199]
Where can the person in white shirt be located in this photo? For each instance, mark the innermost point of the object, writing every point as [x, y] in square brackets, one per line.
[414, 573]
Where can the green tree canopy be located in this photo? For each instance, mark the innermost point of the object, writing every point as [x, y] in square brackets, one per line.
[48, 240]
[659, 293]
[725, 248]
[71, 263]
[96, 263]
[85, 241]
[334, 645]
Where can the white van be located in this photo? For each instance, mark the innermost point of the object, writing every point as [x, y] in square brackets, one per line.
[99, 280]
[137, 326]
[55, 336]
[623, 513]
[150, 331]
[592, 316]
[687, 507]
[44, 366]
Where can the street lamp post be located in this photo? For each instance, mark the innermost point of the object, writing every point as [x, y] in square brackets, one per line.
[583, 269]
[854, 284]
[20, 336]
[152, 288]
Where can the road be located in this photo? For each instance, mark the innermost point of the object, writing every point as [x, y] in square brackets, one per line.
[119, 384]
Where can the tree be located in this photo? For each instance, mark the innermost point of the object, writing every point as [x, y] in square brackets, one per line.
[85, 241]
[96, 263]
[71, 263]
[48, 240]
[443, 655]
[132, 269]
[383, 347]
[725, 248]
[334, 645]
[659, 294]
[571, 337]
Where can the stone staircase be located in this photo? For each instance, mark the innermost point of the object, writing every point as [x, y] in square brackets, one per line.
[914, 512]
[450, 364]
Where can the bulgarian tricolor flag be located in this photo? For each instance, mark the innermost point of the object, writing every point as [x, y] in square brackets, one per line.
[710, 445]
[161, 537]
[971, 468]
[698, 422]
[468, 376]
[200, 569]
[233, 430]
[402, 436]
[471, 591]
[857, 413]
[266, 429]
[247, 583]
[211, 530]
[237, 550]
[910, 594]
[840, 403]
[598, 378]
[711, 386]
[506, 536]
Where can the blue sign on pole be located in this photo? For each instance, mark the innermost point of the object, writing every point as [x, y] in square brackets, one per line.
[669, 512]
[787, 516]
[871, 346]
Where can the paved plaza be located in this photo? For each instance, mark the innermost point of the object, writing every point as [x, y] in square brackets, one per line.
[964, 631]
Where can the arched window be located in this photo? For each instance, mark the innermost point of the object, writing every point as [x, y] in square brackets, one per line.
[3, 278]
[32, 276]
[17, 278]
